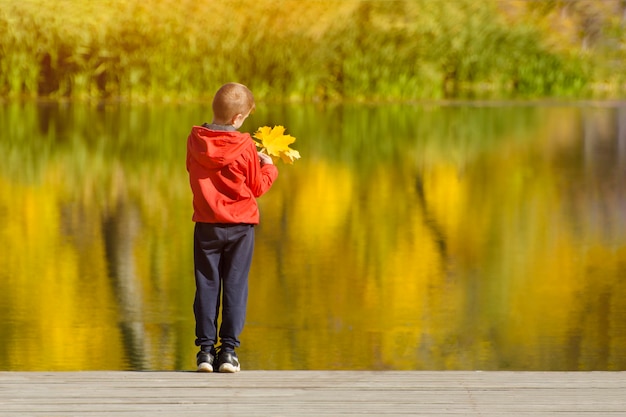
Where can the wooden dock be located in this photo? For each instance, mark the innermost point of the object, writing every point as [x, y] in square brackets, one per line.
[312, 393]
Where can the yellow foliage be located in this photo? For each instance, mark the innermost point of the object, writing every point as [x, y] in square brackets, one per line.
[274, 142]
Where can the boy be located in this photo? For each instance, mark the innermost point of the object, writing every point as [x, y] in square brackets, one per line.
[226, 174]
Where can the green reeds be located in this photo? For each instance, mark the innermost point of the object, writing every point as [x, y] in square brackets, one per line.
[282, 49]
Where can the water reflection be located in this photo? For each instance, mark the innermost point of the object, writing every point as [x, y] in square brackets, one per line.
[407, 237]
[120, 228]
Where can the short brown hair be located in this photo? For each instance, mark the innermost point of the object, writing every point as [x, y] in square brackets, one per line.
[230, 100]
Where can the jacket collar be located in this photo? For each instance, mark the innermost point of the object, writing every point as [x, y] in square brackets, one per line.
[225, 128]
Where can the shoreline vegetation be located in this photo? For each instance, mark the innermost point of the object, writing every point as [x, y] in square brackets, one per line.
[316, 50]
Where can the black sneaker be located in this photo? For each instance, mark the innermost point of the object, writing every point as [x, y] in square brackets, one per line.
[205, 360]
[228, 362]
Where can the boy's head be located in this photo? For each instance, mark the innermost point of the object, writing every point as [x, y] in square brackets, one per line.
[232, 103]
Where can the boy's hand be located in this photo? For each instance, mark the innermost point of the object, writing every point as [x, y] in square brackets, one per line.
[265, 159]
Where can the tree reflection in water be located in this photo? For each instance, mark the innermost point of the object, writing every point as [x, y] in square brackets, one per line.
[452, 236]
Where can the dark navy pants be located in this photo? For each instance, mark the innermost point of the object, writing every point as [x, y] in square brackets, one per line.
[222, 258]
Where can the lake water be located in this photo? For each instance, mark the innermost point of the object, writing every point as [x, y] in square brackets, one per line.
[430, 236]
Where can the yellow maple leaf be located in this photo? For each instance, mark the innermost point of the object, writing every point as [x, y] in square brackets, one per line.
[275, 143]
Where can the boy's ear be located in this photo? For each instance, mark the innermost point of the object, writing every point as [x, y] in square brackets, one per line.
[236, 118]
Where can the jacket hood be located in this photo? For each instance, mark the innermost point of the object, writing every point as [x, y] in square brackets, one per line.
[216, 148]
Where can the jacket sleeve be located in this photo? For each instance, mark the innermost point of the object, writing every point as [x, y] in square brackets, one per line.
[259, 178]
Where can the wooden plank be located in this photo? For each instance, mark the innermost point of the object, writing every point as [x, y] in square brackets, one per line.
[312, 393]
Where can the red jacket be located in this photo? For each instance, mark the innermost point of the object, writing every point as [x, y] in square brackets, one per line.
[226, 176]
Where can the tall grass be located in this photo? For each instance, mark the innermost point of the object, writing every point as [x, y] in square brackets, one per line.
[283, 49]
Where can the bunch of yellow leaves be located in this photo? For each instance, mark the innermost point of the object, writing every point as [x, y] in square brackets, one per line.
[274, 142]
